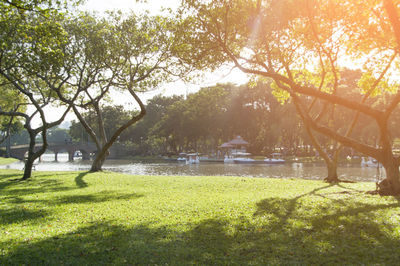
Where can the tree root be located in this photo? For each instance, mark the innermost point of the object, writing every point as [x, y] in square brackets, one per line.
[384, 188]
[19, 180]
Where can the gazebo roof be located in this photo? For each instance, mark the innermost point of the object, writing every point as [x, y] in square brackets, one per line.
[226, 145]
[238, 141]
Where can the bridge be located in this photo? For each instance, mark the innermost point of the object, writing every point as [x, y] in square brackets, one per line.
[86, 149]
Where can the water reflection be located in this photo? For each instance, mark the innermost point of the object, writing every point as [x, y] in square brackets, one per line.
[295, 170]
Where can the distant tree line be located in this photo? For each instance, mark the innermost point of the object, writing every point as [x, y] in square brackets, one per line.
[204, 120]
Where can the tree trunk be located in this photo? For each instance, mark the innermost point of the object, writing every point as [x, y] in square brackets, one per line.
[99, 160]
[332, 177]
[28, 167]
[331, 164]
[390, 185]
[31, 158]
[97, 165]
[8, 146]
[32, 155]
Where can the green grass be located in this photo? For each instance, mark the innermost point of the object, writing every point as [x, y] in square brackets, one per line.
[78, 218]
[7, 160]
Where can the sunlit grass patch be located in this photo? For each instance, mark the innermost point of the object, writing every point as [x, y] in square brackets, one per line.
[7, 160]
[110, 218]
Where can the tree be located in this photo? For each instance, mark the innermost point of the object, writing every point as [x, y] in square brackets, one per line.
[30, 59]
[126, 53]
[281, 39]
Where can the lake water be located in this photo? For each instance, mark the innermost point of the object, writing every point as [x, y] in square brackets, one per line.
[289, 170]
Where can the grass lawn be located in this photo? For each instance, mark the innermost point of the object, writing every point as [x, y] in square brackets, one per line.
[80, 218]
[7, 160]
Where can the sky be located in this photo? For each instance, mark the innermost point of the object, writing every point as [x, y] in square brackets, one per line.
[154, 6]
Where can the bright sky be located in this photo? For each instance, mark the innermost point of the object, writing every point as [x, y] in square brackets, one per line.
[154, 6]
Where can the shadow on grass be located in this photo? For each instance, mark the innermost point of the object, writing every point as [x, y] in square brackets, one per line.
[335, 232]
[33, 187]
[7, 180]
[19, 215]
[78, 199]
[96, 197]
[79, 180]
[10, 184]
[116, 245]
[17, 194]
[277, 234]
[14, 180]
[8, 176]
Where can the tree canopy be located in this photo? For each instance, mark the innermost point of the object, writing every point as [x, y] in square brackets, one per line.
[31, 56]
[301, 45]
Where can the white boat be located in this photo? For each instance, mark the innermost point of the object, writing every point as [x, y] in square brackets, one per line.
[239, 156]
[370, 162]
[245, 160]
[228, 159]
[188, 158]
[276, 159]
[192, 158]
[182, 157]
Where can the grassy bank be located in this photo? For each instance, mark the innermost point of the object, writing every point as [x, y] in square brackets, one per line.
[107, 218]
[7, 160]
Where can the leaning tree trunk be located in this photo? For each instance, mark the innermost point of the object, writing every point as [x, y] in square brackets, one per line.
[106, 145]
[30, 159]
[32, 155]
[28, 167]
[331, 164]
[99, 160]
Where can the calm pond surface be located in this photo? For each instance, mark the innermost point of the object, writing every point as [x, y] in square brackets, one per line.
[289, 170]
